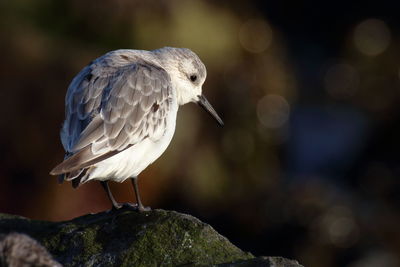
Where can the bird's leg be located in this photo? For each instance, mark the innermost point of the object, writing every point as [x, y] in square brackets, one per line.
[106, 188]
[140, 206]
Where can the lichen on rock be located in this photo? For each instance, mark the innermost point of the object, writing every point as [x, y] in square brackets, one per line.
[129, 238]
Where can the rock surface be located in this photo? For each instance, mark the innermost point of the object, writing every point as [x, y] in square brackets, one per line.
[129, 238]
[20, 250]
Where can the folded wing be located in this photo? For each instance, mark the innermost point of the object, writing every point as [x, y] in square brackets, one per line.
[109, 109]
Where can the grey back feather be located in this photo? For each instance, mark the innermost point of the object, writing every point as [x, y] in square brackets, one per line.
[112, 104]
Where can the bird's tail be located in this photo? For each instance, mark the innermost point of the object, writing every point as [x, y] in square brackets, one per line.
[77, 177]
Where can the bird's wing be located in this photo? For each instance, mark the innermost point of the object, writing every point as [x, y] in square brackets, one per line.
[109, 110]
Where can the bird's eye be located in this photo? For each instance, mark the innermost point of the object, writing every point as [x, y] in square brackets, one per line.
[193, 78]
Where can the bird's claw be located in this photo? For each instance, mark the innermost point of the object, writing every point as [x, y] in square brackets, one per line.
[131, 206]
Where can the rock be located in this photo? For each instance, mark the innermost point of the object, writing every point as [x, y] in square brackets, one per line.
[263, 262]
[19, 250]
[129, 238]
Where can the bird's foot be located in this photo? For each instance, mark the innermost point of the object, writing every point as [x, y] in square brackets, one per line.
[116, 206]
[135, 207]
[142, 208]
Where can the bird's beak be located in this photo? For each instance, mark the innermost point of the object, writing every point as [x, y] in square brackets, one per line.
[203, 102]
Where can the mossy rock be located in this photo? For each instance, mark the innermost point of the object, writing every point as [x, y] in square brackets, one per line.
[129, 238]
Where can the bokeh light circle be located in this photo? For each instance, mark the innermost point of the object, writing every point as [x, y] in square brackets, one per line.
[255, 35]
[341, 80]
[372, 37]
[273, 111]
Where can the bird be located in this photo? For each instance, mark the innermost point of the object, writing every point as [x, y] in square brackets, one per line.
[120, 114]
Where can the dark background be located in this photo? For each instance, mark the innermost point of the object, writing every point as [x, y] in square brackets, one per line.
[307, 164]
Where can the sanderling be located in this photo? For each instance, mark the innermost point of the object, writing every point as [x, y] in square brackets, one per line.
[121, 114]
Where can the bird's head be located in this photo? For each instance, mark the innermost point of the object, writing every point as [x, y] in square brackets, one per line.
[188, 74]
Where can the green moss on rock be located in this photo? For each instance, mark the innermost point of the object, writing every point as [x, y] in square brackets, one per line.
[129, 238]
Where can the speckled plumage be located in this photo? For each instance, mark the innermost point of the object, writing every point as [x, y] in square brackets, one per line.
[121, 112]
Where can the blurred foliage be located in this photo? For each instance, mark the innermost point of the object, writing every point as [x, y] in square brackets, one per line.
[307, 164]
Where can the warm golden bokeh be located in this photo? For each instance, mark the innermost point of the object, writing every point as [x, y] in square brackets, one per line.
[307, 165]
